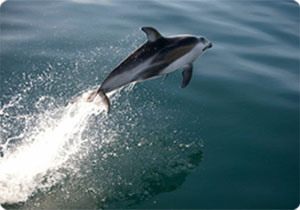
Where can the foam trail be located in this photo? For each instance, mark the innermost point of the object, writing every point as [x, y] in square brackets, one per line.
[36, 162]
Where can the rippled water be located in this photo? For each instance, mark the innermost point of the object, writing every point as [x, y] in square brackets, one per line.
[228, 140]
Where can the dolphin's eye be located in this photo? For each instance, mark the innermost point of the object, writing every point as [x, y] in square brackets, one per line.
[202, 39]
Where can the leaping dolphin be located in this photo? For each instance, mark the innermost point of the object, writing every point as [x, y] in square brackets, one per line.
[158, 56]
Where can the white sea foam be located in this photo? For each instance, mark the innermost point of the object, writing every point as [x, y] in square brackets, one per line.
[35, 163]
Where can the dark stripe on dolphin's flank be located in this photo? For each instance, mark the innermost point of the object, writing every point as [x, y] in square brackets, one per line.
[176, 50]
[166, 57]
[145, 51]
[152, 71]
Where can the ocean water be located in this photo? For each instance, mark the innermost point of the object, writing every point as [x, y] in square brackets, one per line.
[230, 139]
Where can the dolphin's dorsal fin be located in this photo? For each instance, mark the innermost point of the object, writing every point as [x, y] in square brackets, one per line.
[152, 33]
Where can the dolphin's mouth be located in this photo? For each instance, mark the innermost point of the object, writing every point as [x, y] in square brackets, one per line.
[207, 46]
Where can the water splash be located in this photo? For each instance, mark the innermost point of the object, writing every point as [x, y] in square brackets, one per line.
[45, 149]
[74, 156]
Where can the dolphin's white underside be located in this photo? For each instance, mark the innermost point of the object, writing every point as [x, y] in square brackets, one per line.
[188, 58]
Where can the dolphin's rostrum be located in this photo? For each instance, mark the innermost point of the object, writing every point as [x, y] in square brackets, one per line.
[158, 56]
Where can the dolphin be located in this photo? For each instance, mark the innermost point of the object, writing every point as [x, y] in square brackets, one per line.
[158, 56]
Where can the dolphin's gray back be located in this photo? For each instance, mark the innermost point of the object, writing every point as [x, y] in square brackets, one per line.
[147, 61]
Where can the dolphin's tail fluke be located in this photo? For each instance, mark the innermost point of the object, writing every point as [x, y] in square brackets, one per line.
[105, 100]
[92, 96]
[103, 96]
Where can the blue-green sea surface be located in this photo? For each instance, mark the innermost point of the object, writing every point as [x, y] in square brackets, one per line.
[230, 139]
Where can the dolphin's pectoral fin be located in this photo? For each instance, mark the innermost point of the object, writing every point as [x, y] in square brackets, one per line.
[187, 75]
[152, 33]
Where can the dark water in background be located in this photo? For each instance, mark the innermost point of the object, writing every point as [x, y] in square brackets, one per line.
[228, 140]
